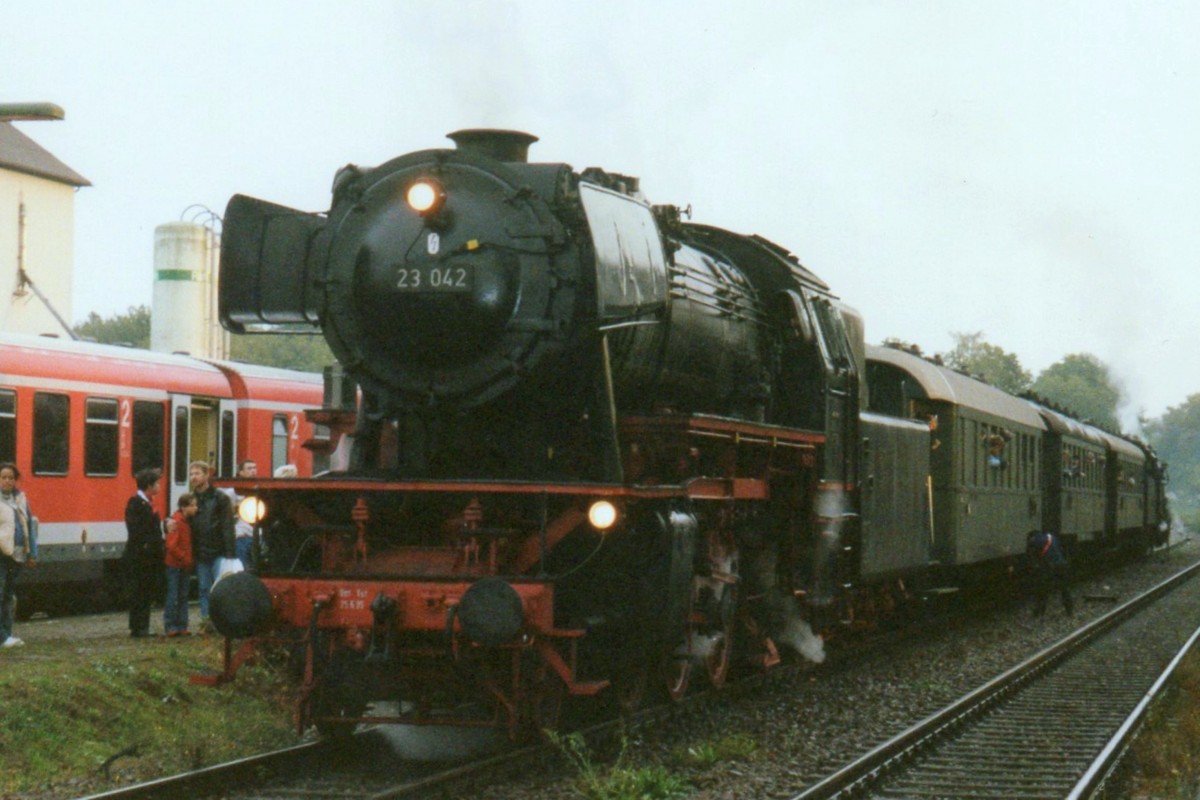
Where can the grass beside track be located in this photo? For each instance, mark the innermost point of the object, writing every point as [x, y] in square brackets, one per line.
[81, 716]
[1165, 762]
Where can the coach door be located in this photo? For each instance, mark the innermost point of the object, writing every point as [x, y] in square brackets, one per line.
[196, 435]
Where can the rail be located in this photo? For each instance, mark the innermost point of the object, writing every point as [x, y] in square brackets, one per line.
[903, 749]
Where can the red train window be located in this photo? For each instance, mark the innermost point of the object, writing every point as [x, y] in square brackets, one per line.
[8, 426]
[100, 437]
[51, 434]
[279, 442]
[149, 433]
[228, 466]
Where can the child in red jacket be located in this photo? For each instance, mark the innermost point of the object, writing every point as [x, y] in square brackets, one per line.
[179, 565]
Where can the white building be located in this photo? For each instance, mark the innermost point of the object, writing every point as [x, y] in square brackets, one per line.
[37, 235]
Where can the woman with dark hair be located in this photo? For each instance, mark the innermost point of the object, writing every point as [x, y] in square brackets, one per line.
[143, 551]
[18, 547]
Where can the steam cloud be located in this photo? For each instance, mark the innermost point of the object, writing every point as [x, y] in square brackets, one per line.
[798, 635]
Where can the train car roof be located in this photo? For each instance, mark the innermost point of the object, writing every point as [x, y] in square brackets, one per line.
[104, 364]
[261, 372]
[1124, 447]
[947, 385]
[47, 358]
[272, 383]
[1062, 424]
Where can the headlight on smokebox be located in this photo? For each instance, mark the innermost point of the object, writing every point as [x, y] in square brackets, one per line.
[425, 196]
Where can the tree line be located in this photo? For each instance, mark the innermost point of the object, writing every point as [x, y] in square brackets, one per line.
[1080, 384]
[303, 352]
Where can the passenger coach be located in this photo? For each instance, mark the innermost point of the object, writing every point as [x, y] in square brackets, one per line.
[1001, 466]
[79, 419]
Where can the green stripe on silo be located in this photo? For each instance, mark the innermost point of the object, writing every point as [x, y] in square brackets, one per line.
[174, 274]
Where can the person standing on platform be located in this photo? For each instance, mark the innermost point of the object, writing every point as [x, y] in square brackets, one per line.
[243, 531]
[18, 547]
[212, 531]
[143, 551]
[179, 565]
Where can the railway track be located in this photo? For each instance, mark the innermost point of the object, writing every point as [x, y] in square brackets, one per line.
[367, 767]
[371, 768]
[1052, 727]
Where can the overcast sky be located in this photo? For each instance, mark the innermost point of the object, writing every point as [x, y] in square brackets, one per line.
[1024, 168]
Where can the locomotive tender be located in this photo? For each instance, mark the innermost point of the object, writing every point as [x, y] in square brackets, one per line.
[590, 447]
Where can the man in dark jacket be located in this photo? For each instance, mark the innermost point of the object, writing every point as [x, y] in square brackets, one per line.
[1048, 570]
[212, 531]
[143, 551]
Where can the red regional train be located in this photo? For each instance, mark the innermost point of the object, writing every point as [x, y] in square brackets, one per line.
[79, 419]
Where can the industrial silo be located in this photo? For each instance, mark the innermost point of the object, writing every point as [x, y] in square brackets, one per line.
[184, 316]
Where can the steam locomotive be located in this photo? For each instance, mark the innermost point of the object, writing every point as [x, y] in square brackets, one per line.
[587, 448]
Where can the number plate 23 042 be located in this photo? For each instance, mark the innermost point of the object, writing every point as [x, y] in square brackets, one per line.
[434, 278]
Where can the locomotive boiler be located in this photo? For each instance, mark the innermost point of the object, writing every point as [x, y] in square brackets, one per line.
[592, 444]
[474, 296]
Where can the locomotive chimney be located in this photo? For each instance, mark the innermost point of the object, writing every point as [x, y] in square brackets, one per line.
[492, 143]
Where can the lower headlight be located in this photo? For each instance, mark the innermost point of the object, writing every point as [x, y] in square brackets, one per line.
[602, 514]
[252, 510]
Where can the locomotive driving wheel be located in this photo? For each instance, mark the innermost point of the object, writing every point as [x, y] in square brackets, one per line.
[708, 633]
[719, 654]
[677, 668]
[720, 593]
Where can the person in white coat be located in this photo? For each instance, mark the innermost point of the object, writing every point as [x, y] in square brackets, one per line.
[18, 547]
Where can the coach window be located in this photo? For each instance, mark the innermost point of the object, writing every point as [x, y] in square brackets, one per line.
[1025, 448]
[279, 442]
[1020, 460]
[1031, 462]
[100, 437]
[51, 434]
[149, 433]
[970, 432]
[8, 426]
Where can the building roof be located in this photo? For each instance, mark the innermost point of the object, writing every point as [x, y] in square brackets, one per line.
[21, 154]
